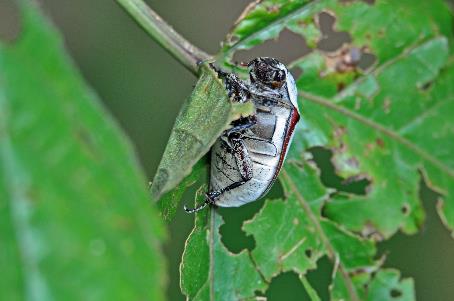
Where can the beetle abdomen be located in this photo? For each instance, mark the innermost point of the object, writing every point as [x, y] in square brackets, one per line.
[264, 143]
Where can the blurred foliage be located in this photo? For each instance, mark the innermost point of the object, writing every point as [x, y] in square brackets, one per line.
[75, 216]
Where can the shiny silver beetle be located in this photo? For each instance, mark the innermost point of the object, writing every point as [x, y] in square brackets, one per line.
[247, 158]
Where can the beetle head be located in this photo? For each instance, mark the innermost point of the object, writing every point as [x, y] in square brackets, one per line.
[267, 71]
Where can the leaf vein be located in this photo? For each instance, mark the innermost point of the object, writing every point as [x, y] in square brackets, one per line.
[329, 248]
[378, 127]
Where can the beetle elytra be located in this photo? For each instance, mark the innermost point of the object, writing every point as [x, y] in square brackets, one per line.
[247, 158]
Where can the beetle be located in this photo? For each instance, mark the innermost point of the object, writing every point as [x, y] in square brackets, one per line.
[247, 158]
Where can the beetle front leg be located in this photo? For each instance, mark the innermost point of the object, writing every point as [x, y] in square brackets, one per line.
[237, 89]
[244, 165]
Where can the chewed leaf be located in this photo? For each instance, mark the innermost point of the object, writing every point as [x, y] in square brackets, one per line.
[202, 119]
[394, 117]
[209, 271]
[386, 284]
[396, 138]
[298, 235]
[261, 21]
[388, 122]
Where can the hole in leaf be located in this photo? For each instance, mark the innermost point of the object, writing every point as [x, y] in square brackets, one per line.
[322, 158]
[405, 209]
[9, 21]
[287, 47]
[340, 86]
[331, 40]
[232, 235]
[296, 72]
[308, 253]
[367, 60]
[395, 293]
[320, 278]
[276, 192]
[326, 22]
[349, 59]
[286, 286]
[427, 255]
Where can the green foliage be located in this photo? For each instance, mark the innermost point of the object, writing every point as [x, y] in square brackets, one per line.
[201, 120]
[200, 279]
[390, 123]
[75, 216]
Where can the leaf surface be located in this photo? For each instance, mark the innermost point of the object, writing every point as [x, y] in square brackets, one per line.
[75, 216]
[209, 271]
[202, 119]
[389, 123]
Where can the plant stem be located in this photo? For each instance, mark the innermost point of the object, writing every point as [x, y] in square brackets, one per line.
[186, 53]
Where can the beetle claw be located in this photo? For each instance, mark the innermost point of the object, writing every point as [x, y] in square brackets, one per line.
[196, 209]
[210, 198]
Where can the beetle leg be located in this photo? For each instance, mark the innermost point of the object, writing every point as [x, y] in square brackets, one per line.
[243, 162]
[264, 92]
[237, 89]
[242, 159]
[241, 124]
[196, 209]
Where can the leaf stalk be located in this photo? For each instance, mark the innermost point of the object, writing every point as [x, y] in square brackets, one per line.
[182, 50]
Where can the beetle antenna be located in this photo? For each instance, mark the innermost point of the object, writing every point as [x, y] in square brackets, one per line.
[198, 208]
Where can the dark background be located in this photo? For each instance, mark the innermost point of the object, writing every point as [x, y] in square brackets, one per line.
[143, 87]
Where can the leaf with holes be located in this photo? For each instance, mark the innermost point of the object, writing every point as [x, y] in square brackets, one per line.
[75, 217]
[383, 105]
[209, 271]
[391, 117]
[298, 235]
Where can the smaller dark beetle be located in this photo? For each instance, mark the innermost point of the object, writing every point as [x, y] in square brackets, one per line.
[247, 158]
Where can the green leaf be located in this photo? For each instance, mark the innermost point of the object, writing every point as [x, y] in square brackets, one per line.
[169, 202]
[386, 284]
[75, 216]
[264, 20]
[209, 271]
[202, 119]
[390, 123]
[292, 235]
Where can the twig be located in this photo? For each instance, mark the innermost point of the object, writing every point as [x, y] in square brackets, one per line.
[186, 53]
